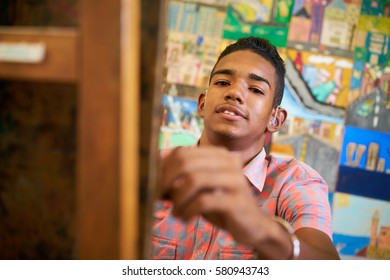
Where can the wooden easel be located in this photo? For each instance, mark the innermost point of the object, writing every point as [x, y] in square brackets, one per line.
[114, 57]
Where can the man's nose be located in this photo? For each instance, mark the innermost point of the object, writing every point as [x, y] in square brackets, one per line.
[235, 93]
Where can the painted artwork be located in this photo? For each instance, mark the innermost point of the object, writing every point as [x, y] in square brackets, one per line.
[364, 171]
[361, 227]
[326, 26]
[267, 19]
[326, 78]
[193, 41]
[196, 18]
[371, 69]
[309, 136]
[366, 150]
[315, 98]
[183, 59]
[181, 125]
[372, 111]
[365, 163]
[337, 95]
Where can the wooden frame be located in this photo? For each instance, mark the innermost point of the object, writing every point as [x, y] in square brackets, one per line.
[108, 131]
[153, 28]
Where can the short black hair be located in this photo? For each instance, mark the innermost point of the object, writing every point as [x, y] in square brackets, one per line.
[266, 50]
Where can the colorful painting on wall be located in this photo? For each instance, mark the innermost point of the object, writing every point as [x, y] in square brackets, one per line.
[181, 125]
[361, 227]
[371, 70]
[326, 77]
[267, 19]
[193, 41]
[365, 163]
[337, 95]
[315, 97]
[310, 137]
[324, 26]
[364, 171]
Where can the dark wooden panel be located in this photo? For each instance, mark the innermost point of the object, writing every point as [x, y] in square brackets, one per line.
[37, 170]
[60, 13]
[60, 62]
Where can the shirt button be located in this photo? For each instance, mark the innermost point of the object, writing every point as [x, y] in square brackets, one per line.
[200, 252]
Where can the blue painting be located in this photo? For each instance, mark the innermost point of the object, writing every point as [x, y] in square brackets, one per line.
[365, 163]
[181, 124]
[361, 226]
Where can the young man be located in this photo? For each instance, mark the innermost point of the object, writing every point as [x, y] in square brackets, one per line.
[224, 198]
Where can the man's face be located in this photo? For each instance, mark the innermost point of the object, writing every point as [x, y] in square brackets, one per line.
[239, 99]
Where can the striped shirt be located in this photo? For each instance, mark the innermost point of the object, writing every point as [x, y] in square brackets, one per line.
[286, 188]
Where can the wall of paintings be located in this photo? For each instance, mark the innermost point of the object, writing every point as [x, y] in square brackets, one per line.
[337, 94]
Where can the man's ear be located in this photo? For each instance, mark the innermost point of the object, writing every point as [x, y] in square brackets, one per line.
[201, 103]
[277, 119]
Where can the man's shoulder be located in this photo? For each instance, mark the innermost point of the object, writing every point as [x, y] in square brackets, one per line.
[292, 167]
[161, 209]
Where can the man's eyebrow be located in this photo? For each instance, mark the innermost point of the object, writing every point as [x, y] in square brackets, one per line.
[259, 78]
[251, 76]
[224, 72]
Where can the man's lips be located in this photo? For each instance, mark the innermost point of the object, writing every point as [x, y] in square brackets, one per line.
[231, 110]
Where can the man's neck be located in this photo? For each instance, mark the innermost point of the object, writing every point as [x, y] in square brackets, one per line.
[237, 147]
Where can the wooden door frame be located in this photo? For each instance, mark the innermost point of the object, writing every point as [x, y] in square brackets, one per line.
[117, 161]
[108, 130]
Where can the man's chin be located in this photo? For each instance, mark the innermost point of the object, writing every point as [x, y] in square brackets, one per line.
[227, 134]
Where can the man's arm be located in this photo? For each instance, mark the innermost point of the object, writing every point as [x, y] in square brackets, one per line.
[316, 245]
[208, 181]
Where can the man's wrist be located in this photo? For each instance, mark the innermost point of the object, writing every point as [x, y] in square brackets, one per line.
[294, 239]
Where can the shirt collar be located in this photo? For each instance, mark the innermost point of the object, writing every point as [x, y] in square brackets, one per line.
[256, 170]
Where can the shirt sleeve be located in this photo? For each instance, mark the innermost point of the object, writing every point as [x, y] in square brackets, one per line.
[303, 199]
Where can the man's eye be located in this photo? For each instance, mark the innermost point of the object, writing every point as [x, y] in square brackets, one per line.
[222, 83]
[257, 91]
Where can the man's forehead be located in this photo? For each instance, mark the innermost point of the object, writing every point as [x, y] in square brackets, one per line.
[241, 59]
[258, 71]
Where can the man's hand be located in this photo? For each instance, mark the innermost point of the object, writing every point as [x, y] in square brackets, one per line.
[208, 181]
